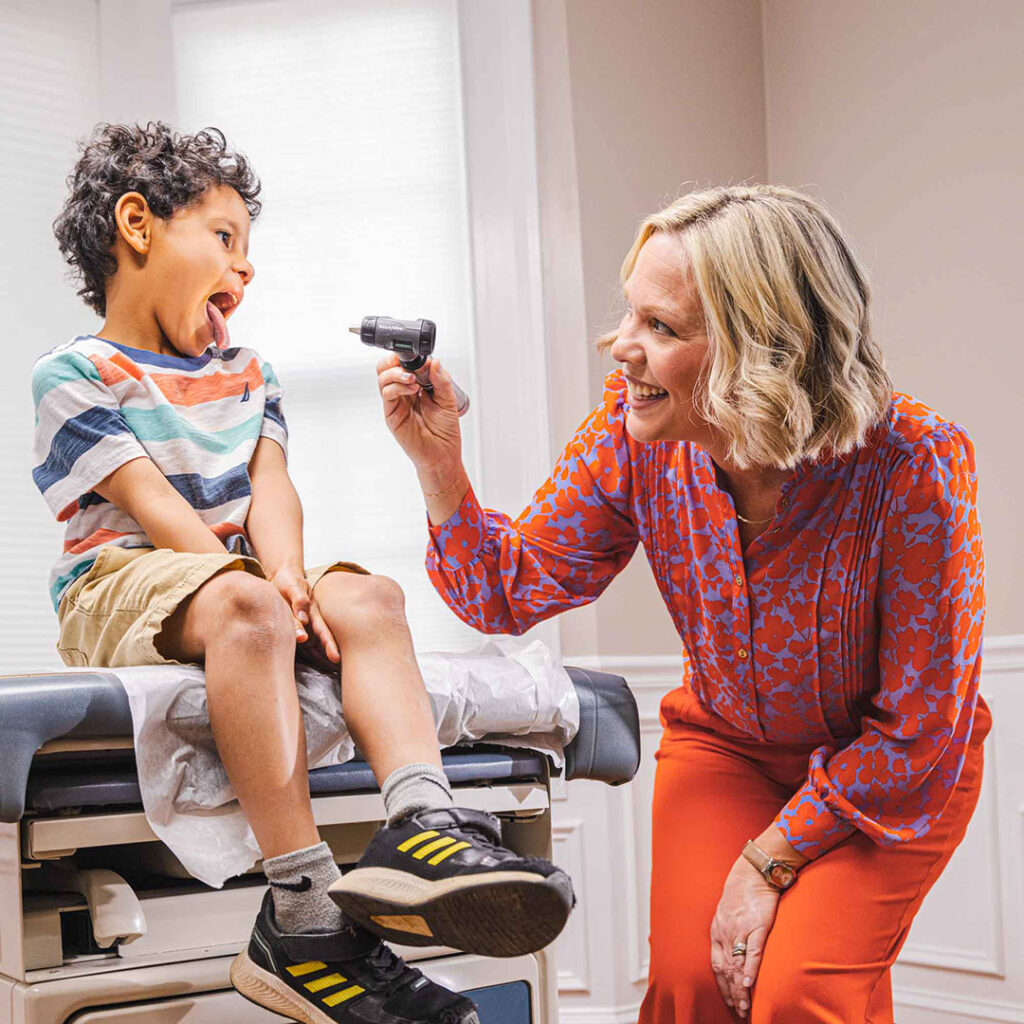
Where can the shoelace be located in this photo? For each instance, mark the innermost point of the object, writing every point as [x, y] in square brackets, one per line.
[482, 836]
[387, 966]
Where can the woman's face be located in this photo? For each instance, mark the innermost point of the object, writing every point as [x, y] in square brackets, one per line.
[662, 345]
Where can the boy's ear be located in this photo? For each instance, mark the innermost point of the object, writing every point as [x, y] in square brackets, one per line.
[134, 221]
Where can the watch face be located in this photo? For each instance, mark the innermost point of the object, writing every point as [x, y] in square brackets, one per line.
[782, 875]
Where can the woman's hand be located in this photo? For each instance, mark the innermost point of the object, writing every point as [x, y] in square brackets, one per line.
[425, 425]
[746, 913]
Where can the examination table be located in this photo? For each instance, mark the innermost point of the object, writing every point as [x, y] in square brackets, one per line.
[99, 922]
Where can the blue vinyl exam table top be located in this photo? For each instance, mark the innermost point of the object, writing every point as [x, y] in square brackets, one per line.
[92, 704]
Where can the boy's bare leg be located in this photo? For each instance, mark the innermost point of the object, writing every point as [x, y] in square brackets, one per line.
[242, 629]
[386, 706]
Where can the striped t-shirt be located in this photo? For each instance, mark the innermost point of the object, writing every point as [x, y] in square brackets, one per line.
[100, 405]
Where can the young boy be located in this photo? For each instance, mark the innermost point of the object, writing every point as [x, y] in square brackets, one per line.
[163, 448]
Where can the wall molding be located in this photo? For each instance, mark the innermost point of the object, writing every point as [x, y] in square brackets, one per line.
[573, 977]
[990, 961]
[1003, 653]
[643, 672]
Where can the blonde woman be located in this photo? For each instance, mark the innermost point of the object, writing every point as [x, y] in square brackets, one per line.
[815, 538]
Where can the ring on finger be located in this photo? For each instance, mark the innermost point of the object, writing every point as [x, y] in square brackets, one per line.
[739, 948]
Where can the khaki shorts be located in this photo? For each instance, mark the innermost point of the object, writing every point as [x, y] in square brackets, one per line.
[111, 615]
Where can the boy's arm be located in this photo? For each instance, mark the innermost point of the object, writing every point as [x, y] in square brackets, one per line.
[168, 520]
[274, 524]
[274, 528]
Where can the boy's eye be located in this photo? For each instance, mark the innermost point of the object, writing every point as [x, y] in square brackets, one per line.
[225, 237]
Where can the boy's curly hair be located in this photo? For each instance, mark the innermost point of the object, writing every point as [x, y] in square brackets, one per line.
[170, 169]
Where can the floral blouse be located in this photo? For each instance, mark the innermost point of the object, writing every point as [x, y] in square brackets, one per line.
[854, 622]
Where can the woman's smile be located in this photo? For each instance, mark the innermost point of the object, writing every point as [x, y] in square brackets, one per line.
[642, 394]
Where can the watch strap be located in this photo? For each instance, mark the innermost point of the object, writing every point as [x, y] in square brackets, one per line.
[765, 864]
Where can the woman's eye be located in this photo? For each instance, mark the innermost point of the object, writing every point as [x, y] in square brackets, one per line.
[225, 237]
[661, 328]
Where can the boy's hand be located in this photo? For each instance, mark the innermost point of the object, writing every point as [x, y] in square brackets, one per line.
[323, 633]
[292, 586]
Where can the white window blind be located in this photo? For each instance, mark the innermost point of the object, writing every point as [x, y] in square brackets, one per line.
[352, 115]
[49, 98]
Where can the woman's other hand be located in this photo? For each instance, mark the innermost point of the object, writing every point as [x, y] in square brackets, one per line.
[746, 913]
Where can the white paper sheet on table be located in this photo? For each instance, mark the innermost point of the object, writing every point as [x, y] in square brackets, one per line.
[511, 691]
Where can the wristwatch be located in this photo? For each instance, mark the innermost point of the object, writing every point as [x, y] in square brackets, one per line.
[777, 873]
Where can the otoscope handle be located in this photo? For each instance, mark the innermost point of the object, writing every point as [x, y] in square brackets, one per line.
[413, 342]
[422, 376]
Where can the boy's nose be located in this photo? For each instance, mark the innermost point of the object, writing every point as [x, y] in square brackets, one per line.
[246, 271]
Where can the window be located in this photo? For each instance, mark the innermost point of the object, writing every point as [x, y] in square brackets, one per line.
[395, 144]
[352, 116]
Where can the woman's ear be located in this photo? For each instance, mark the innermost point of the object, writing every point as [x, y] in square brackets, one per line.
[134, 221]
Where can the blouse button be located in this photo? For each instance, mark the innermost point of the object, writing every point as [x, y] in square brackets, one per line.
[742, 652]
[739, 580]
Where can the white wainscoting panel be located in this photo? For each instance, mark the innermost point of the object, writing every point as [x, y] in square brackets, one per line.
[963, 960]
[964, 957]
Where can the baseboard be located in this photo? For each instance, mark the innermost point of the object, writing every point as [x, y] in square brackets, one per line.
[599, 1014]
[940, 1008]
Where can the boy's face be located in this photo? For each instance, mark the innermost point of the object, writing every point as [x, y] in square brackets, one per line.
[199, 267]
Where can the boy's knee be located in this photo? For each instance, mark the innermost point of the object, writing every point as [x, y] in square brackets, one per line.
[353, 603]
[246, 604]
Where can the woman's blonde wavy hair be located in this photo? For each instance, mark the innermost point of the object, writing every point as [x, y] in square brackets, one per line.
[793, 372]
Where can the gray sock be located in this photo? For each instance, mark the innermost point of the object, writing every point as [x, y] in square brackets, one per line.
[415, 787]
[299, 882]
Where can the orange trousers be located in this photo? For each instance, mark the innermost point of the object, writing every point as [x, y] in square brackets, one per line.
[836, 932]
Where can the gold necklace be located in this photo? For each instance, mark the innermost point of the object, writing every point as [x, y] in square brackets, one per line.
[753, 522]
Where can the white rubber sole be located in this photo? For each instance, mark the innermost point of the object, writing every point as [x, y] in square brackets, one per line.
[266, 990]
[497, 913]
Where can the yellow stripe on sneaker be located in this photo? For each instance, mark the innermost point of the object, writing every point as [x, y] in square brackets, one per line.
[328, 981]
[345, 993]
[415, 841]
[307, 968]
[438, 857]
[425, 851]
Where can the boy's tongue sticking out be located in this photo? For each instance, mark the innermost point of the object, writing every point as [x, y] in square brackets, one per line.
[218, 325]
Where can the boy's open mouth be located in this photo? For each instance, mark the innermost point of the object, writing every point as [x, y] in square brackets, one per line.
[218, 307]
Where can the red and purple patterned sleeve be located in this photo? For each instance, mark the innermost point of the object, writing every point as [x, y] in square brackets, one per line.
[504, 576]
[894, 780]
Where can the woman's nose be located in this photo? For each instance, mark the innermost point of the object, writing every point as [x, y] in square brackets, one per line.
[626, 348]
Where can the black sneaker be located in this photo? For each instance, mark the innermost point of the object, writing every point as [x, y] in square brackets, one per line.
[343, 977]
[443, 878]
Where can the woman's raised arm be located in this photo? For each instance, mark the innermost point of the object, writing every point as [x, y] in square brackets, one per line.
[503, 576]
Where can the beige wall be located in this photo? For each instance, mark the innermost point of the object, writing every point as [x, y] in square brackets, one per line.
[906, 119]
[662, 95]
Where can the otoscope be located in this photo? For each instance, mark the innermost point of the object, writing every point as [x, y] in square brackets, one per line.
[413, 340]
